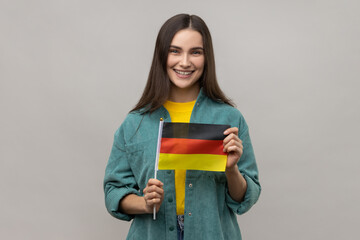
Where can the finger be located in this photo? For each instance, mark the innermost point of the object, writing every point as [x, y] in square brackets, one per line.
[153, 188]
[152, 195]
[235, 149]
[231, 137]
[157, 190]
[234, 130]
[233, 146]
[153, 181]
[233, 142]
[153, 201]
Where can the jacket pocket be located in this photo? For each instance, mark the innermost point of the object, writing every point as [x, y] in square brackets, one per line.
[217, 177]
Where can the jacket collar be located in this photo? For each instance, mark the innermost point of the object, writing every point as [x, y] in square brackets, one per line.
[163, 113]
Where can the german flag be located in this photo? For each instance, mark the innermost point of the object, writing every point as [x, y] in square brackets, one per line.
[192, 146]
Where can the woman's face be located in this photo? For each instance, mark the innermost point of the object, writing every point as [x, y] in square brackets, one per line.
[185, 63]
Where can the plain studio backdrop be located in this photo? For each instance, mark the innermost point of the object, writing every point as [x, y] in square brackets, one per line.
[71, 70]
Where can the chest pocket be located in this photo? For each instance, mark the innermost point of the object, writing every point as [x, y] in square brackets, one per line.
[141, 158]
[217, 177]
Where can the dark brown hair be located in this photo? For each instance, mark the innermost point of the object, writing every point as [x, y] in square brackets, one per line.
[157, 88]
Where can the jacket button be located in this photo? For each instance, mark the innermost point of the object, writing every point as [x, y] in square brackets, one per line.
[171, 228]
[190, 185]
[190, 214]
[170, 199]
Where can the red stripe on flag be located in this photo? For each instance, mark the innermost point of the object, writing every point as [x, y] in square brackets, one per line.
[191, 146]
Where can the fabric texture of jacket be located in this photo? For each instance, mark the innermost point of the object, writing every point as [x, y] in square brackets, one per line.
[210, 212]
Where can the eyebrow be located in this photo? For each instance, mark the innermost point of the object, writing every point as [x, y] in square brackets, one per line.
[194, 48]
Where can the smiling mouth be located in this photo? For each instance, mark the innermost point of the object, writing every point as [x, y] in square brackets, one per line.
[183, 73]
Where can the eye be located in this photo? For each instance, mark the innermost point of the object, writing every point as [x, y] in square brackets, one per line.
[175, 51]
[197, 52]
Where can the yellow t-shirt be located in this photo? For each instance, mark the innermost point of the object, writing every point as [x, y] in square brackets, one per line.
[180, 112]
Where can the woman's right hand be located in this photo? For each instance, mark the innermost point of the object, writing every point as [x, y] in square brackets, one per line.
[153, 194]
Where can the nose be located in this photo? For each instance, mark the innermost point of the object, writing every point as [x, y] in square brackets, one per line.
[185, 61]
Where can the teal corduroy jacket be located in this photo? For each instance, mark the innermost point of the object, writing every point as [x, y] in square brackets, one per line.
[209, 209]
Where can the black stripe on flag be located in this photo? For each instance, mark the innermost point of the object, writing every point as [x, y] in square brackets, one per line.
[194, 131]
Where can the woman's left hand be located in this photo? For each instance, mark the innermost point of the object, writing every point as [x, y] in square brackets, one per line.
[233, 146]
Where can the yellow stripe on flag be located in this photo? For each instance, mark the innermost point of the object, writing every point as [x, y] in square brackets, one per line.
[205, 162]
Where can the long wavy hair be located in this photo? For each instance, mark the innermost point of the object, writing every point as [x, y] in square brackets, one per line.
[158, 85]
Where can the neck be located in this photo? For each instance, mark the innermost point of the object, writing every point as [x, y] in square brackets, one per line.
[184, 95]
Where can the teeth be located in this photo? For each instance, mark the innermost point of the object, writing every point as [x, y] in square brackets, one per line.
[183, 73]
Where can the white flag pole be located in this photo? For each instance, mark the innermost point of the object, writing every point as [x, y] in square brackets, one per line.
[157, 157]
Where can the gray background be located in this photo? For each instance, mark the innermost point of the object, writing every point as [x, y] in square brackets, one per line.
[71, 70]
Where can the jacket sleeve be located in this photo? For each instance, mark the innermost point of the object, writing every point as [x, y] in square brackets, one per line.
[119, 180]
[248, 168]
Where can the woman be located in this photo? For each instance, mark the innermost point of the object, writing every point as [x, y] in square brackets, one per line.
[181, 87]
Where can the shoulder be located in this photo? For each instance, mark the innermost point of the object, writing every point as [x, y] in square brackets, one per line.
[139, 126]
[222, 108]
[129, 125]
[225, 113]
[132, 119]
